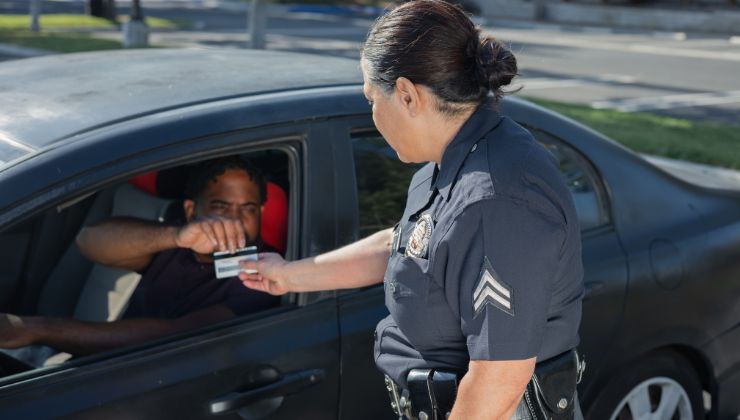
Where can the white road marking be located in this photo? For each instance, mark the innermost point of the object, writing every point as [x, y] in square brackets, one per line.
[547, 83]
[616, 78]
[556, 83]
[670, 101]
[536, 37]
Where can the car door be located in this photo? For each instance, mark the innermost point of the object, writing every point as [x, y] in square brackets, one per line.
[604, 261]
[375, 192]
[277, 365]
[282, 363]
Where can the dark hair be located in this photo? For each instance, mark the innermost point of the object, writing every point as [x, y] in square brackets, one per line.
[434, 43]
[207, 171]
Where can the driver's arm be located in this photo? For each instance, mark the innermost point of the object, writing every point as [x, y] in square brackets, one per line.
[82, 337]
[125, 242]
[131, 243]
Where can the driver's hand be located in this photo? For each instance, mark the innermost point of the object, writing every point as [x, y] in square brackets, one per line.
[13, 332]
[270, 274]
[206, 236]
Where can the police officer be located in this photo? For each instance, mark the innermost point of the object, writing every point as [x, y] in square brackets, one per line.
[483, 275]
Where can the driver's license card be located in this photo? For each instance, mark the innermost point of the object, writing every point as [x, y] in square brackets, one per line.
[226, 264]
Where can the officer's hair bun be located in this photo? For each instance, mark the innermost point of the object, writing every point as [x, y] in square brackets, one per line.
[496, 64]
[435, 43]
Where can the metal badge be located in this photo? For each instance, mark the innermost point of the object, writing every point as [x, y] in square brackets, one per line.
[418, 243]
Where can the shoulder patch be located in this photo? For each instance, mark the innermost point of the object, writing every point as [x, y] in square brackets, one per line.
[490, 289]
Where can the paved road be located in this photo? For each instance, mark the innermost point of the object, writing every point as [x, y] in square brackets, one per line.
[685, 75]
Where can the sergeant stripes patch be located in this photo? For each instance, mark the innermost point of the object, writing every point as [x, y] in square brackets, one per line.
[490, 289]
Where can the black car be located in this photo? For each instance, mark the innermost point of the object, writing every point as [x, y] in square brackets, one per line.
[661, 325]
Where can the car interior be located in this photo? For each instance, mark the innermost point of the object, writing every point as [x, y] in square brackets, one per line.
[45, 273]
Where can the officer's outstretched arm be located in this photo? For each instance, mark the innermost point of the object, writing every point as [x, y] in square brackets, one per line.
[359, 264]
[492, 389]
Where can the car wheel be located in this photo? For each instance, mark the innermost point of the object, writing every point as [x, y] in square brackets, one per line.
[661, 387]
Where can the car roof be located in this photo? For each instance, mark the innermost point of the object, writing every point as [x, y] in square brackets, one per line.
[51, 98]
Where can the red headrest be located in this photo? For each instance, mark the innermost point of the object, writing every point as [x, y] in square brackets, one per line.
[275, 218]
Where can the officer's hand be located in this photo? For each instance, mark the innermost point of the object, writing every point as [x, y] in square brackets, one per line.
[270, 274]
[205, 236]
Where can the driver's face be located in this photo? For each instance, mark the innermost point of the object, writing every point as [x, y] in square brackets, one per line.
[233, 195]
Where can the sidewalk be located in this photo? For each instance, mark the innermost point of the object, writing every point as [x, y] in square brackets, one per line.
[663, 17]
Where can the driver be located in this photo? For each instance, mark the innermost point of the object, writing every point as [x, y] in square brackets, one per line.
[178, 290]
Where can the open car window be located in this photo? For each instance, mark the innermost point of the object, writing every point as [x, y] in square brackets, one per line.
[45, 274]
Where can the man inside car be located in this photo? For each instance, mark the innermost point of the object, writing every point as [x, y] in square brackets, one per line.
[178, 290]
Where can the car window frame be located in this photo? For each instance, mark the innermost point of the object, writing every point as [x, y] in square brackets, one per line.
[241, 142]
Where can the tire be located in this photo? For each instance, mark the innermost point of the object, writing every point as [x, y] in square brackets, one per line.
[638, 391]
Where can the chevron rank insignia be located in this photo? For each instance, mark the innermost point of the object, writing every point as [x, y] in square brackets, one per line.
[490, 289]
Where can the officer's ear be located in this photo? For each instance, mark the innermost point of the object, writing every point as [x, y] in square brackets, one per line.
[409, 95]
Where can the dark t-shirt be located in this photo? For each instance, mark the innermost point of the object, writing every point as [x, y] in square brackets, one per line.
[175, 284]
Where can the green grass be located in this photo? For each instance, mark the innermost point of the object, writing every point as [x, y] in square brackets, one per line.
[62, 21]
[696, 141]
[57, 41]
[69, 33]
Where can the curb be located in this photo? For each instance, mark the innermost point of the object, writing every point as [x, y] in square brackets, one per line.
[22, 52]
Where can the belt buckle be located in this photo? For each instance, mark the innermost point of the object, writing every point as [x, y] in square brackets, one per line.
[393, 392]
[580, 366]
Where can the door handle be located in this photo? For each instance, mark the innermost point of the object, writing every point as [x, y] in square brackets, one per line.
[288, 384]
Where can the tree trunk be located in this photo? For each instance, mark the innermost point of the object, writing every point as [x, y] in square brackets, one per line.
[105, 9]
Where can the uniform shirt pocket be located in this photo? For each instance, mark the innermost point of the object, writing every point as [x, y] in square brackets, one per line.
[409, 278]
[406, 298]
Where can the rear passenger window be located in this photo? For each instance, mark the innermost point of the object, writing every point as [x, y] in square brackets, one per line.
[382, 182]
[582, 181]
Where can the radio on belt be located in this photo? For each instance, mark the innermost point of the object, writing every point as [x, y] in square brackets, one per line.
[226, 264]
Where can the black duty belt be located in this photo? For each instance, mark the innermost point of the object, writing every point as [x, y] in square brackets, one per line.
[549, 395]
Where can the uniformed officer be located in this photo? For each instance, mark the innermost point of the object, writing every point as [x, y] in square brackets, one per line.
[483, 275]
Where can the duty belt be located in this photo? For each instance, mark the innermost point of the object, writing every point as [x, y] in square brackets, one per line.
[430, 395]
[550, 394]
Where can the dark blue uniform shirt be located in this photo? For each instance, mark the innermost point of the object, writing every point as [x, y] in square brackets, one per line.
[486, 260]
